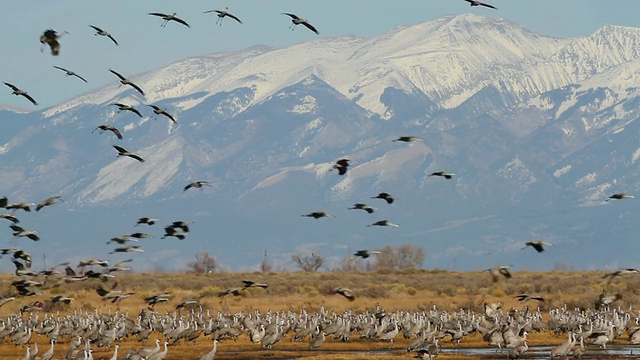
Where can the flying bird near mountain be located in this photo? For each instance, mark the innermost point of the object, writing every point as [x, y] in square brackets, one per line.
[385, 196]
[23, 206]
[70, 73]
[19, 92]
[318, 215]
[444, 174]
[160, 111]
[125, 81]
[537, 244]
[123, 152]
[296, 20]
[619, 196]
[407, 139]
[222, 14]
[478, 3]
[365, 207]
[341, 165]
[167, 18]
[48, 202]
[51, 37]
[123, 107]
[104, 128]
[101, 32]
[196, 184]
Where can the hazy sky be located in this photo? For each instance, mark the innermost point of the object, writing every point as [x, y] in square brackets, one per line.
[144, 45]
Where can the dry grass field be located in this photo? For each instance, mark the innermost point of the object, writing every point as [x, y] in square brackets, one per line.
[416, 290]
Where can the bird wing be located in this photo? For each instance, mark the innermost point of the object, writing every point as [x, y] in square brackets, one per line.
[293, 16]
[135, 111]
[61, 68]
[79, 77]
[169, 116]
[13, 87]
[310, 27]
[96, 28]
[137, 88]
[210, 11]
[180, 21]
[158, 14]
[55, 47]
[28, 97]
[112, 39]
[488, 5]
[137, 157]
[120, 149]
[117, 74]
[234, 18]
[188, 187]
[116, 132]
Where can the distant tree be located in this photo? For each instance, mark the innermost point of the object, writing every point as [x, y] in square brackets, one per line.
[308, 263]
[401, 257]
[347, 263]
[563, 266]
[265, 265]
[204, 263]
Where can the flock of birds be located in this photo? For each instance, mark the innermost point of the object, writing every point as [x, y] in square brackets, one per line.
[505, 330]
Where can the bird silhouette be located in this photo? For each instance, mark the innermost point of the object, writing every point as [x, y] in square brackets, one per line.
[123, 152]
[70, 73]
[385, 196]
[296, 20]
[104, 128]
[19, 92]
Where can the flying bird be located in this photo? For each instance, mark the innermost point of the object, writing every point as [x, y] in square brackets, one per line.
[103, 33]
[170, 231]
[181, 225]
[9, 217]
[365, 253]
[123, 107]
[20, 232]
[24, 206]
[123, 152]
[127, 249]
[19, 92]
[196, 184]
[160, 111]
[385, 196]
[104, 128]
[537, 244]
[407, 138]
[478, 3]
[318, 215]
[619, 196]
[496, 272]
[365, 207]
[444, 174]
[222, 14]
[70, 73]
[51, 37]
[341, 165]
[613, 274]
[383, 223]
[167, 18]
[251, 283]
[526, 297]
[296, 20]
[146, 220]
[346, 292]
[48, 202]
[125, 81]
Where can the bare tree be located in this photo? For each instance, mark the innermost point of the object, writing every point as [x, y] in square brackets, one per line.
[404, 256]
[308, 263]
[265, 265]
[204, 263]
[346, 263]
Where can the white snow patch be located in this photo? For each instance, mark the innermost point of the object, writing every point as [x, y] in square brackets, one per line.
[587, 179]
[635, 156]
[562, 171]
[309, 105]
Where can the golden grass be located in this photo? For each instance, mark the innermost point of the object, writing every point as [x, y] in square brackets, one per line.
[416, 290]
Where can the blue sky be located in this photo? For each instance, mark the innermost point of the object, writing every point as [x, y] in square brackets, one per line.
[144, 45]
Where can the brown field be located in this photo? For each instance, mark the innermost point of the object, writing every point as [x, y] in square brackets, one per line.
[416, 290]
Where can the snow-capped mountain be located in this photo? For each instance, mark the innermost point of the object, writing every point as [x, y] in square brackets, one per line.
[539, 132]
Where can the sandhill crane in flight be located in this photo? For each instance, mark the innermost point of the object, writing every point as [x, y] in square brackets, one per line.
[3, 201]
[408, 139]
[104, 128]
[365, 207]
[444, 174]
[537, 244]
[181, 225]
[93, 262]
[48, 202]
[121, 239]
[196, 184]
[123, 107]
[620, 196]
[167, 18]
[222, 14]
[385, 196]
[296, 20]
[146, 220]
[365, 253]
[9, 217]
[120, 266]
[127, 249]
[384, 223]
[478, 3]
[24, 206]
[170, 231]
[125, 81]
[346, 292]
[123, 152]
[160, 111]
[613, 274]
[20, 232]
[63, 299]
[527, 297]
[140, 235]
[19, 92]
[70, 73]
[251, 283]
[18, 254]
[103, 33]
[318, 215]
[496, 272]
[50, 37]
[341, 165]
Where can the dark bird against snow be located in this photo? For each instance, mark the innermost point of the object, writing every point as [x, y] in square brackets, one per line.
[160, 111]
[222, 14]
[123, 152]
[48, 202]
[296, 20]
[19, 92]
[70, 73]
[167, 18]
[103, 33]
[478, 3]
[620, 196]
[104, 128]
[318, 215]
[537, 244]
[365, 207]
[341, 165]
[125, 81]
[444, 174]
[196, 185]
[408, 139]
[385, 196]
[123, 107]
[51, 37]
